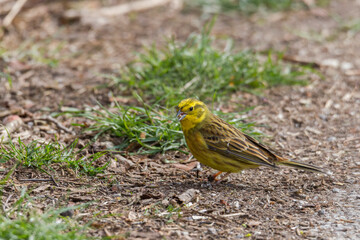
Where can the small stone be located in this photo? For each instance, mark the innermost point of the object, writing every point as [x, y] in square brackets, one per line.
[336, 190]
[113, 164]
[187, 196]
[253, 223]
[165, 202]
[106, 144]
[132, 216]
[128, 163]
[346, 66]
[323, 117]
[321, 212]
[212, 231]
[237, 204]
[331, 62]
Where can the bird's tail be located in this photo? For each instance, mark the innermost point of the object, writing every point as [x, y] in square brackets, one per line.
[300, 165]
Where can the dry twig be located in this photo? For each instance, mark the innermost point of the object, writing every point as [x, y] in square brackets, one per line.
[14, 12]
[121, 9]
[11, 124]
[58, 124]
[294, 59]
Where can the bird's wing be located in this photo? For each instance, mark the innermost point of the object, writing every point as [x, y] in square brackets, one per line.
[226, 140]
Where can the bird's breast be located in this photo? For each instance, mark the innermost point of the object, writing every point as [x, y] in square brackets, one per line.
[195, 142]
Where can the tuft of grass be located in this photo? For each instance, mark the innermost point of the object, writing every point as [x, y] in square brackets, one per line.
[196, 68]
[35, 226]
[45, 52]
[141, 128]
[351, 26]
[252, 6]
[245, 6]
[22, 222]
[7, 77]
[39, 155]
[148, 130]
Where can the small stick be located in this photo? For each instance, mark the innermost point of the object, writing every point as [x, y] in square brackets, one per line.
[235, 214]
[36, 180]
[131, 7]
[58, 124]
[219, 218]
[121, 9]
[300, 61]
[353, 72]
[52, 179]
[4, 1]
[5, 205]
[14, 12]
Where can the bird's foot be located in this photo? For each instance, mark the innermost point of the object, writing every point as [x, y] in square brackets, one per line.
[213, 178]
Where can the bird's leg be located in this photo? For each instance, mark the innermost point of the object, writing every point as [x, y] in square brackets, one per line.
[223, 177]
[212, 178]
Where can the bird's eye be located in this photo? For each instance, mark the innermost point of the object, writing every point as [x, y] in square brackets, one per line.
[191, 108]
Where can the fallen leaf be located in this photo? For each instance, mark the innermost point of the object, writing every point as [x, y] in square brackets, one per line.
[155, 195]
[41, 188]
[186, 167]
[187, 196]
[132, 216]
[253, 223]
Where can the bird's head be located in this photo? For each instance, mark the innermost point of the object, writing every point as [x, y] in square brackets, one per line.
[191, 112]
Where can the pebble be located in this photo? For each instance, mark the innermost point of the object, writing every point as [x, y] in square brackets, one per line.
[323, 117]
[346, 66]
[336, 190]
[237, 204]
[321, 212]
[331, 62]
[212, 231]
[331, 139]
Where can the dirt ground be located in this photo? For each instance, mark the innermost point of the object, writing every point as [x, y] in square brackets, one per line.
[318, 124]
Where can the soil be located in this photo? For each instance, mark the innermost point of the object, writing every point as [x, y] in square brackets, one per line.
[142, 197]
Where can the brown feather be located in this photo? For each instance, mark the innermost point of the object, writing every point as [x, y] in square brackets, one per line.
[227, 140]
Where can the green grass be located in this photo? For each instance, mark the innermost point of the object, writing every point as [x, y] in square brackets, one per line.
[21, 221]
[196, 68]
[43, 155]
[45, 52]
[351, 26]
[148, 130]
[251, 6]
[7, 77]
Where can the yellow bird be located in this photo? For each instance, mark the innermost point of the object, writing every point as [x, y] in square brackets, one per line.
[219, 145]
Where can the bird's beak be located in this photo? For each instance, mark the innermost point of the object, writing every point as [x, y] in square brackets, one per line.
[180, 115]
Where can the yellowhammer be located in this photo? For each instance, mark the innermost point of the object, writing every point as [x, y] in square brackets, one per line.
[219, 145]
